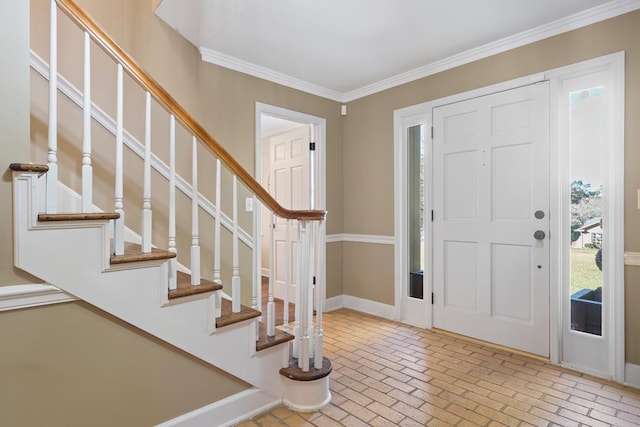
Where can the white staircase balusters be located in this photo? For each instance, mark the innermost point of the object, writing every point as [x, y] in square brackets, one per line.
[118, 238]
[235, 274]
[172, 203]
[147, 214]
[271, 306]
[217, 279]
[195, 202]
[87, 170]
[52, 153]
[287, 275]
[216, 244]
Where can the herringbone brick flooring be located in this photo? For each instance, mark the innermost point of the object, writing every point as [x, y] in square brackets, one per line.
[390, 374]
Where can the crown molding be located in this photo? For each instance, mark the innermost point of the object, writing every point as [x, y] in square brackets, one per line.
[578, 20]
[227, 61]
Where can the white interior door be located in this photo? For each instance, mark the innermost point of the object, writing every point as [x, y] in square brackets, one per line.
[491, 194]
[289, 183]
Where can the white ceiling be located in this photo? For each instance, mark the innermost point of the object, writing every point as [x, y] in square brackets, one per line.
[345, 49]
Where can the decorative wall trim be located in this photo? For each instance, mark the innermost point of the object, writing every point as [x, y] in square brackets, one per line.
[361, 238]
[632, 375]
[224, 60]
[71, 92]
[227, 412]
[578, 20]
[15, 297]
[575, 21]
[362, 305]
[632, 258]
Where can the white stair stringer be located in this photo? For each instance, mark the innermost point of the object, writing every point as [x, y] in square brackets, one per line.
[74, 256]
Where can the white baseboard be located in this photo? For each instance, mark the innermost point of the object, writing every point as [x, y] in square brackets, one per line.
[362, 305]
[31, 295]
[375, 308]
[334, 303]
[227, 412]
[360, 238]
[632, 375]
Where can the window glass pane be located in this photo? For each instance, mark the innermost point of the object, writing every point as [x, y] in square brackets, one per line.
[587, 140]
[415, 181]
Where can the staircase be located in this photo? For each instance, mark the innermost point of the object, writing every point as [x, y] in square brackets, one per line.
[176, 295]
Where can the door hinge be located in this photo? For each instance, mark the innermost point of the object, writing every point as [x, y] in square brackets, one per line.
[314, 280]
[312, 146]
[432, 215]
[432, 132]
[432, 298]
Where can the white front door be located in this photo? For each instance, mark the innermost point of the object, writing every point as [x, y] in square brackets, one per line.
[491, 195]
[289, 184]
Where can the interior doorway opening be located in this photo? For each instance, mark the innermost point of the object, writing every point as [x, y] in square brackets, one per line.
[290, 159]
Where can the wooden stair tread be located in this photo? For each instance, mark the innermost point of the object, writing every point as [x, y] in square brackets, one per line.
[94, 216]
[28, 167]
[185, 288]
[265, 342]
[133, 253]
[294, 373]
[229, 318]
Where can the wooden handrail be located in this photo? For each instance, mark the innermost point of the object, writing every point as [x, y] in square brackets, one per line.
[169, 103]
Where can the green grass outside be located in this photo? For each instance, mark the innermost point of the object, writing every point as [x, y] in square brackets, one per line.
[584, 272]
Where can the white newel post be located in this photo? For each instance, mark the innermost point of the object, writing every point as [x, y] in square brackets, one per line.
[118, 237]
[173, 284]
[235, 276]
[195, 203]
[146, 192]
[271, 306]
[52, 150]
[303, 290]
[87, 171]
[287, 275]
[296, 323]
[320, 296]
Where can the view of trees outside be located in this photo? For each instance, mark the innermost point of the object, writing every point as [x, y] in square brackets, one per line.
[586, 206]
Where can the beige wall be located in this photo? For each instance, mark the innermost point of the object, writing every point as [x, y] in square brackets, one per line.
[368, 151]
[14, 123]
[74, 365]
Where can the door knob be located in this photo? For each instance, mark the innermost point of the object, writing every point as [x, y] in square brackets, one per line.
[539, 235]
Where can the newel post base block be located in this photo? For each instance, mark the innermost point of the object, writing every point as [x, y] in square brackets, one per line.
[306, 391]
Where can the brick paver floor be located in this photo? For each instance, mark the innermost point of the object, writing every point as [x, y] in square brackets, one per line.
[390, 374]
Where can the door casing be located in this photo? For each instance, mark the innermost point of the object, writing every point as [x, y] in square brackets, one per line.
[318, 185]
[421, 113]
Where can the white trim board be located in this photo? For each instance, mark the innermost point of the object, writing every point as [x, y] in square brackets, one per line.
[632, 375]
[361, 238]
[362, 305]
[227, 412]
[15, 297]
[632, 258]
[564, 25]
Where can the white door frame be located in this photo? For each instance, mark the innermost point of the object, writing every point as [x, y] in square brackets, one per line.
[555, 298]
[615, 208]
[319, 186]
